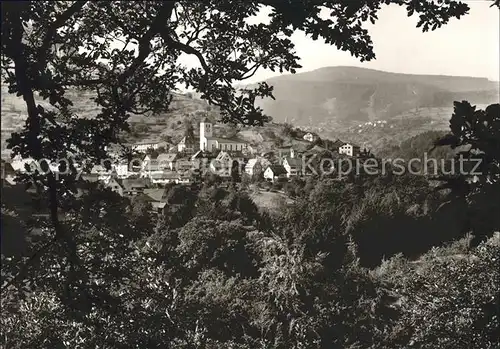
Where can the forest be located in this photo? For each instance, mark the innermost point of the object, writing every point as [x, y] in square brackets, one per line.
[386, 261]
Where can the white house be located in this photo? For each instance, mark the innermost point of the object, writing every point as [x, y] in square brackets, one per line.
[142, 147]
[310, 137]
[292, 166]
[274, 173]
[210, 143]
[147, 160]
[349, 149]
[121, 169]
[222, 164]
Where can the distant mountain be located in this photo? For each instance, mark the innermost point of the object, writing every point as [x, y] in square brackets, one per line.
[342, 96]
[166, 126]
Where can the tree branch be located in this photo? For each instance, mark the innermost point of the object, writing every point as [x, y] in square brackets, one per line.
[187, 49]
[144, 43]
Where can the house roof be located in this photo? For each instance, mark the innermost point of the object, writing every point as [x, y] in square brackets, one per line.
[222, 155]
[277, 169]
[92, 178]
[159, 195]
[197, 155]
[158, 204]
[311, 133]
[165, 175]
[338, 143]
[131, 183]
[195, 141]
[226, 140]
[252, 162]
[151, 156]
[184, 161]
[166, 157]
[144, 143]
[317, 149]
[351, 144]
[98, 168]
[7, 168]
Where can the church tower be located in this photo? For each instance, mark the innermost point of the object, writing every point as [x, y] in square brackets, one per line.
[205, 132]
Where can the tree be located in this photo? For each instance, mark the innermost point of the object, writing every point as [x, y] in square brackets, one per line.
[477, 179]
[447, 299]
[236, 171]
[140, 213]
[287, 130]
[189, 131]
[161, 150]
[153, 152]
[126, 54]
[167, 139]
[278, 141]
[121, 293]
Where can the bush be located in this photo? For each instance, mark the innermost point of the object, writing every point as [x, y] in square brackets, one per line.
[450, 301]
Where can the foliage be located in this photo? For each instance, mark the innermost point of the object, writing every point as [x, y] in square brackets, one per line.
[203, 276]
[447, 301]
[189, 131]
[416, 147]
[477, 133]
[211, 279]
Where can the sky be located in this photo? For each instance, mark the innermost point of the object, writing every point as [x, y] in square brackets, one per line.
[465, 47]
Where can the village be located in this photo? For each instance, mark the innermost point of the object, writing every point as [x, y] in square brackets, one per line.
[228, 159]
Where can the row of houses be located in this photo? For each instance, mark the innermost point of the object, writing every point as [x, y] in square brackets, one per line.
[177, 168]
[192, 161]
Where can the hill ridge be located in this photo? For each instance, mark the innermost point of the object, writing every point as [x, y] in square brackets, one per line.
[341, 96]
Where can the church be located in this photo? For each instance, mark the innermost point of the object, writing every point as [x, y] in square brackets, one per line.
[210, 143]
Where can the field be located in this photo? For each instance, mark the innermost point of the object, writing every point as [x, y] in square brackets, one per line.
[268, 199]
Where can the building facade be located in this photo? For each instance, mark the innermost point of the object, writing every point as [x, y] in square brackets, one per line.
[349, 149]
